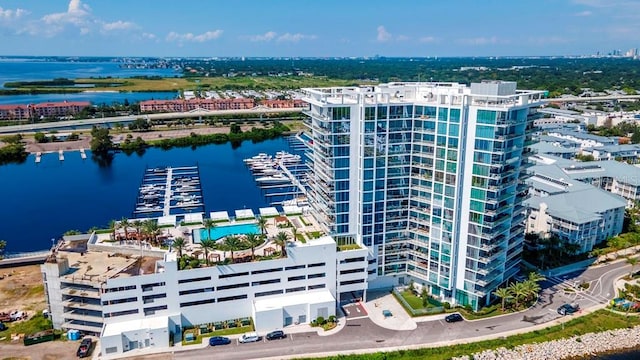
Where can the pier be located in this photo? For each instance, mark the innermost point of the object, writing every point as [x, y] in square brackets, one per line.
[38, 157]
[61, 155]
[169, 191]
[281, 176]
[83, 155]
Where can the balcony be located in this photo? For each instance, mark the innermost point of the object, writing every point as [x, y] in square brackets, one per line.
[75, 304]
[81, 292]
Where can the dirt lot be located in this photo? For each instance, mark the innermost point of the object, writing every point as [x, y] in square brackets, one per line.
[21, 289]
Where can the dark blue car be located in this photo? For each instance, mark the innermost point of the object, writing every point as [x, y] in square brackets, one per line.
[219, 340]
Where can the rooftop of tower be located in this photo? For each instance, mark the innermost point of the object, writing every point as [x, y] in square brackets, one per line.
[487, 93]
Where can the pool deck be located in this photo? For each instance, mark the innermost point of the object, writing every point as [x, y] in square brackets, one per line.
[304, 224]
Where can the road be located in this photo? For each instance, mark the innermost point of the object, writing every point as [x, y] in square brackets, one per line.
[257, 111]
[363, 334]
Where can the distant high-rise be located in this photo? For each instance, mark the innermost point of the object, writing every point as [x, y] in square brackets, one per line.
[428, 176]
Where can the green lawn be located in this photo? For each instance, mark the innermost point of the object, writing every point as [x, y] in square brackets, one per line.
[35, 324]
[599, 321]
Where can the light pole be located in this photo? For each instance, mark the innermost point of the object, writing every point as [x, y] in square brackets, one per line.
[53, 240]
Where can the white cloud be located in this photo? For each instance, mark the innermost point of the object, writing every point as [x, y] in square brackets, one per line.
[149, 36]
[583, 13]
[268, 36]
[10, 15]
[190, 37]
[287, 37]
[118, 25]
[383, 34]
[479, 41]
[427, 39]
[402, 38]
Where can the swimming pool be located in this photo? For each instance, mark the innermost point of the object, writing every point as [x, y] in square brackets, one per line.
[222, 231]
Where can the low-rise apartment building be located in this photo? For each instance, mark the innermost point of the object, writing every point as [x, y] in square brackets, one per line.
[42, 110]
[576, 212]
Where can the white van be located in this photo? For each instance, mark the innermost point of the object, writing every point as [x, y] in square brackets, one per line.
[249, 337]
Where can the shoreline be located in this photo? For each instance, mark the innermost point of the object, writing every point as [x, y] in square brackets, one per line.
[574, 348]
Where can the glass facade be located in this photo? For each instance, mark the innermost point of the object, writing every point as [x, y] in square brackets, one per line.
[432, 187]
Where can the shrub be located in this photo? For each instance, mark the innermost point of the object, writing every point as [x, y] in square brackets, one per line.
[332, 318]
[446, 305]
[320, 320]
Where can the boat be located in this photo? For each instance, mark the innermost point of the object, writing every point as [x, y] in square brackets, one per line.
[274, 179]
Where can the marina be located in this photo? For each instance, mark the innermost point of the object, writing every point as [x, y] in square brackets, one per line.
[280, 177]
[169, 191]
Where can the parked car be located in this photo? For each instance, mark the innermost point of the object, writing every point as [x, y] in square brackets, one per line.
[18, 315]
[453, 318]
[249, 337]
[567, 309]
[84, 350]
[276, 334]
[219, 340]
[3, 327]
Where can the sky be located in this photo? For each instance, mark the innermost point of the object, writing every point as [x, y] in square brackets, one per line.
[317, 28]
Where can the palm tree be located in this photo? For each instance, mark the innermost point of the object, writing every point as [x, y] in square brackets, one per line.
[179, 244]
[3, 244]
[633, 262]
[281, 240]
[124, 223]
[535, 277]
[503, 294]
[138, 225]
[531, 289]
[152, 229]
[518, 291]
[113, 226]
[294, 233]
[206, 246]
[209, 224]
[232, 243]
[253, 240]
[262, 223]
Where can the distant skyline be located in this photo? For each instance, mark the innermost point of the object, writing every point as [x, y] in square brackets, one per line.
[327, 28]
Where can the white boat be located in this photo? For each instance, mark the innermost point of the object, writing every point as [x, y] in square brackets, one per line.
[267, 172]
[274, 179]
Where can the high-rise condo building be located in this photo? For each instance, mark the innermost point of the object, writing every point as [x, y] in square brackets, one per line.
[428, 176]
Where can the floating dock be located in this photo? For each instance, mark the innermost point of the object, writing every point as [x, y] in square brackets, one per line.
[38, 157]
[61, 155]
[169, 191]
[83, 155]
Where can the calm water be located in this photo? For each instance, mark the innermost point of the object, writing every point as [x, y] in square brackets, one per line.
[42, 201]
[32, 70]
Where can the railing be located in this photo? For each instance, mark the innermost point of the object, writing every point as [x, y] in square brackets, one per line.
[416, 312]
[26, 254]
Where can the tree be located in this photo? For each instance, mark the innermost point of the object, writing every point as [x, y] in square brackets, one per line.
[633, 262]
[101, 142]
[3, 245]
[209, 225]
[281, 240]
[536, 277]
[518, 291]
[124, 223]
[152, 229]
[206, 246]
[113, 226]
[253, 240]
[138, 225]
[294, 233]
[232, 243]
[424, 294]
[262, 223]
[179, 244]
[504, 294]
[531, 289]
